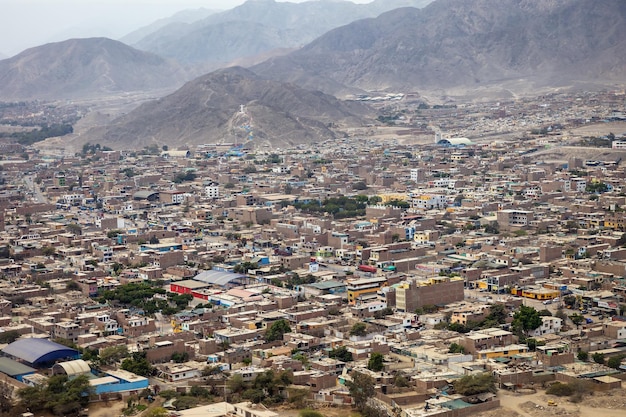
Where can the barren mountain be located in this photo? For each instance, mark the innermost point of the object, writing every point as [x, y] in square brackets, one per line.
[184, 17]
[256, 27]
[460, 44]
[80, 68]
[209, 110]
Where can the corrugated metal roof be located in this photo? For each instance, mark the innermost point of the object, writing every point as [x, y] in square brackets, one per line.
[325, 285]
[220, 278]
[36, 350]
[13, 368]
[143, 194]
[76, 367]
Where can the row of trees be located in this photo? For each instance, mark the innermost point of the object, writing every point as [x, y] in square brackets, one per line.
[27, 138]
[339, 207]
[142, 295]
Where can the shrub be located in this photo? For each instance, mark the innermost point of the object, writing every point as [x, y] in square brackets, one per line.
[310, 413]
[560, 390]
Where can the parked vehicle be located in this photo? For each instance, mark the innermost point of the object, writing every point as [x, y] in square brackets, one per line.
[367, 268]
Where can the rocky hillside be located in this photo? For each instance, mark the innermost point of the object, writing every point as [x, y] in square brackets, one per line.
[84, 68]
[256, 27]
[460, 44]
[209, 110]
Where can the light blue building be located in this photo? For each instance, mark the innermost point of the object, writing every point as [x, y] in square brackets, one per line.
[119, 381]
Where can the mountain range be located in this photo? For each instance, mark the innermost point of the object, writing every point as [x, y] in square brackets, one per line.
[256, 27]
[450, 46]
[232, 105]
[460, 44]
[78, 68]
[184, 16]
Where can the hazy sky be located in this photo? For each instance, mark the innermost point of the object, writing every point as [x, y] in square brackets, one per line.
[28, 23]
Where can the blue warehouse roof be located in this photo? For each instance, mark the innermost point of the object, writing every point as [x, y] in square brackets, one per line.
[39, 351]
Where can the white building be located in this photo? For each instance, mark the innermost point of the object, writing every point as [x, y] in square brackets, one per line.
[415, 174]
[575, 184]
[549, 325]
[619, 144]
[429, 201]
[212, 190]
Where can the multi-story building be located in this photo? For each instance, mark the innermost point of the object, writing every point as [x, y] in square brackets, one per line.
[428, 201]
[549, 325]
[618, 144]
[434, 291]
[212, 190]
[359, 289]
[172, 196]
[514, 218]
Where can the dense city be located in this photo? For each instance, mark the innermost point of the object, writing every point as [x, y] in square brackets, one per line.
[419, 266]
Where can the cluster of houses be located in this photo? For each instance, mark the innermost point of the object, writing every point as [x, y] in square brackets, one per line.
[444, 232]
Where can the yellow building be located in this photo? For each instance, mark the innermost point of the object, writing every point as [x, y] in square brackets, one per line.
[358, 288]
[615, 222]
[393, 196]
[540, 293]
[501, 352]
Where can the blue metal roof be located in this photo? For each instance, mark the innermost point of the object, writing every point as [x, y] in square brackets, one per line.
[36, 351]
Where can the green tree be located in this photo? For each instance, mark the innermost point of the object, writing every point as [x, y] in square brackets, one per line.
[341, 353]
[560, 389]
[9, 336]
[400, 380]
[577, 319]
[598, 358]
[72, 286]
[456, 348]
[492, 228]
[359, 185]
[372, 201]
[615, 361]
[277, 330]
[74, 228]
[60, 395]
[180, 357]
[582, 356]
[525, 320]
[561, 314]
[475, 384]
[299, 356]
[6, 398]
[497, 313]
[361, 389]
[138, 364]
[236, 384]
[48, 251]
[570, 301]
[184, 177]
[597, 187]
[358, 329]
[375, 362]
